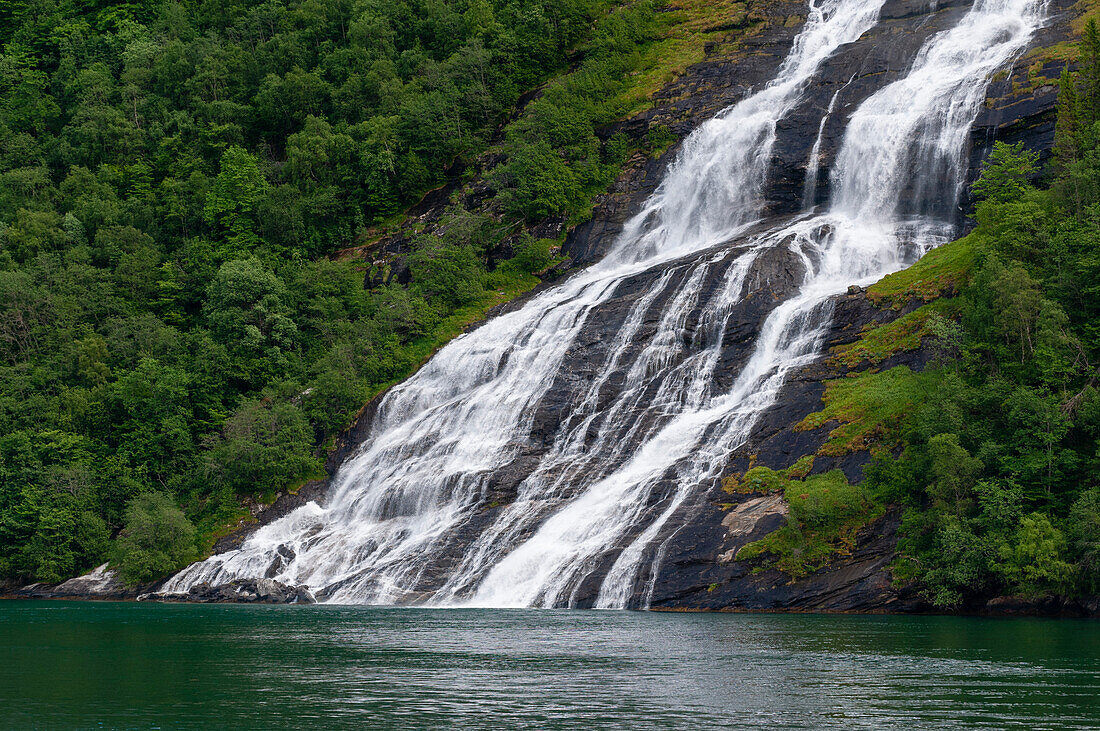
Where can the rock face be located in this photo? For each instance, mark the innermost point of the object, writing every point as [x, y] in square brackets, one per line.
[102, 583]
[700, 570]
[247, 591]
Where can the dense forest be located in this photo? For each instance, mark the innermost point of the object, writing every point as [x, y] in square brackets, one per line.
[175, 176]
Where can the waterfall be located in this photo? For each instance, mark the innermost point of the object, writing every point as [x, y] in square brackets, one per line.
[652, 427]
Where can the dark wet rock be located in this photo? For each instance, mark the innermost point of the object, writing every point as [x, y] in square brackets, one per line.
[882, 56]
[1049, 606]
[244, 591]
[857, 583]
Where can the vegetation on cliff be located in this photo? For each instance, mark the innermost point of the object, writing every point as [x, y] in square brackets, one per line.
[992, 449]
[826, 513]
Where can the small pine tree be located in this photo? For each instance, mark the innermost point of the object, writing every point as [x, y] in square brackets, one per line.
[1067, 142]
[1090, 73]
[1067, 137]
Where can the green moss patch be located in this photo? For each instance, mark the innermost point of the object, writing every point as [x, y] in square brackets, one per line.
[687, 28]
[868, 408]
[763, 479]
[941, 270]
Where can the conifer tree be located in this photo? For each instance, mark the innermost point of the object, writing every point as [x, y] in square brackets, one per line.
[1090, 73]
[1066, 130]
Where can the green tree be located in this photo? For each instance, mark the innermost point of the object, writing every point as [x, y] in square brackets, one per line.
[1006, 175]
[1090, 72]
[263, 447]
[1034, 561]
[246, 309]
[953, 472]
[1067, 142]
[156, 540]
[234, 198]
[1084, 532]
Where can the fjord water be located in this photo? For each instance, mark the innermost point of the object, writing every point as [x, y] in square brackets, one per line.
[595, 508]
[120, 665]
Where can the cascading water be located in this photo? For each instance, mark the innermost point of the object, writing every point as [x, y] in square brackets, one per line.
[652, 427]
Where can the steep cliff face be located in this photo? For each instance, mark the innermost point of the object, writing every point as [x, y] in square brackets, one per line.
[699, 567]
[701, 571]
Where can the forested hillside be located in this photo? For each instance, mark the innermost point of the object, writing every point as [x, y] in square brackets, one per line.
[1001, 467]
[174, 176]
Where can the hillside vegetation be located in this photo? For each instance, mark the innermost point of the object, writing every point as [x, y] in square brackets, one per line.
[174, 175]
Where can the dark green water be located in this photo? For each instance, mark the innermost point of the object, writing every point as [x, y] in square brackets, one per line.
[108, 665]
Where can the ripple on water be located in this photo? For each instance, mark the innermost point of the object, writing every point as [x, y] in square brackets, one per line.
[182, 666]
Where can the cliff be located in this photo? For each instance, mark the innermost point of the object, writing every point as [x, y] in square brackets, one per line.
[872, 332]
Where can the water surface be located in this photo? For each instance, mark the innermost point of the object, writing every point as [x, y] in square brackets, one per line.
[124, 665]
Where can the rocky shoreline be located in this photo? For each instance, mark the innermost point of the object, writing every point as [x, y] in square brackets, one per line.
[831, 582]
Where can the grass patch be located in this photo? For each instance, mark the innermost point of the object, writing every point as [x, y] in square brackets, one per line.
[941, 270]
[1086, 10]
[868, 408]
[213, 526]
[826, 514]
[763, 479]
[900, 336]
[1065, 52]
[687, 29]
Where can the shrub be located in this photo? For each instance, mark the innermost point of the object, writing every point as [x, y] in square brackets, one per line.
[157, 540]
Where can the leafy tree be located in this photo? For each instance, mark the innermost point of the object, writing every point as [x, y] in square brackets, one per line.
[1034, 561]
[246, 311]
[263, 447]
[157, 539]
[234, 198]
[1084, 532]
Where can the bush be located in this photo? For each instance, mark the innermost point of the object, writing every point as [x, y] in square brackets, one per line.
[158, 539]
[264, 447]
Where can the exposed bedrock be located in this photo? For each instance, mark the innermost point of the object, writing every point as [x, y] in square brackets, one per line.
[774, 275]
[1019, 108]
[699, 572]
